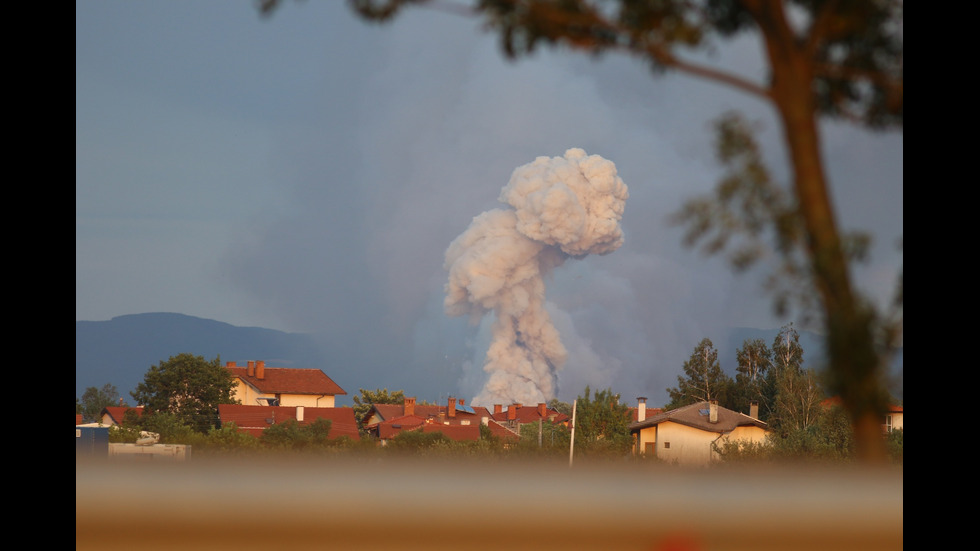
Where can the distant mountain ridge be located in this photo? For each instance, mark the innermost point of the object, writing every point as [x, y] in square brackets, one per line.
[120, 351]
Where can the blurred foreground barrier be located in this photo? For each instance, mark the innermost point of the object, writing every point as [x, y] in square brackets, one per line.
[337, 504]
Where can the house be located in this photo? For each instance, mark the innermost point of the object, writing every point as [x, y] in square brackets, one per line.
[256, 384]
[255, 419]
[518, 414]
[114, 415]
[456, 420]
[894, 418]
[686, 435]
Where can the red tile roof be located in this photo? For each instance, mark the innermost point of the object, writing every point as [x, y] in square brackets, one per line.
[255, 419]
[390, 429]
[527, 414]
[117, 413]
[288, 380]
[462, 413]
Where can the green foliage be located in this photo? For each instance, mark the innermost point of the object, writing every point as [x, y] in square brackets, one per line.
[94, 400]
[290, 435]
[363, 403]
[188, 387]
[796, 394]
[753, 362]
[172, 428]
[229, 440]
[703, 380]
[895, 442]
[123, 434]
[545, 438]
[560, 407]
[602, 424]
[416, 441]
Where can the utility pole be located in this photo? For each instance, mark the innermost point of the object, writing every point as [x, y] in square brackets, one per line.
[571, 445]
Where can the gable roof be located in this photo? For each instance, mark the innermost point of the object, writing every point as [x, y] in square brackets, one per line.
[255, 419]
[696, 416]
[522, 414]
[453, 413]
[117, 413]
[454, 432]
[286, 380]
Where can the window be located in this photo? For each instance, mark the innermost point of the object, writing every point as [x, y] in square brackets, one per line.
[666, 445]
[888, 423]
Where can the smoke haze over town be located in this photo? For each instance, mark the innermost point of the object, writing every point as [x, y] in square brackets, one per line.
[309, 172]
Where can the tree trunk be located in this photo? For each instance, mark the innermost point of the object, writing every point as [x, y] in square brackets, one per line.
[854, 364]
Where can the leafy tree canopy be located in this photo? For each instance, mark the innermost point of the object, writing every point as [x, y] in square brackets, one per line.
[94, 400]
[188, 387]
[602, 423]
[703, 379]
[753, 361]
[363, 403]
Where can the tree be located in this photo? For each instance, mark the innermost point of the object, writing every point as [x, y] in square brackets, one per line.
[796, 394]
[825, 58]
[560, 407]
[704, 379]
[188, 387]
[602, 423]
[95, 399]
[363, 403]
[753, 361]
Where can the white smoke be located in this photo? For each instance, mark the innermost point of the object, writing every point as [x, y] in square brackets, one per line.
[561, 207]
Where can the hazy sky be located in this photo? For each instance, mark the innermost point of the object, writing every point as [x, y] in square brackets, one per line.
[307, 172]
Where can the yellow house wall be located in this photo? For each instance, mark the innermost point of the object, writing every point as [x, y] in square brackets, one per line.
[647, 436]
[690, 446]
[898, 421]
[248, 396]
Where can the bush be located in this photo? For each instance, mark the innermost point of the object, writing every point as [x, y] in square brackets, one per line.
[894, 443]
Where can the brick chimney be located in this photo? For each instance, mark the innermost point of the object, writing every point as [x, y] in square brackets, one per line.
[451, 409]
[409, 406]
[498, 409]
[713, 411]
[641, 408]
[754, 409]
[260, 369]
[542, 410]
[251, 368]
[512, 411]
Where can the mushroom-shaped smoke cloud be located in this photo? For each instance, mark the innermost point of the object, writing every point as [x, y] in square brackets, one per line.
[561, 207]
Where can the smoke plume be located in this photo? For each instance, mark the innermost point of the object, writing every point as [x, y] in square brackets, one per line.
[561, 207]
